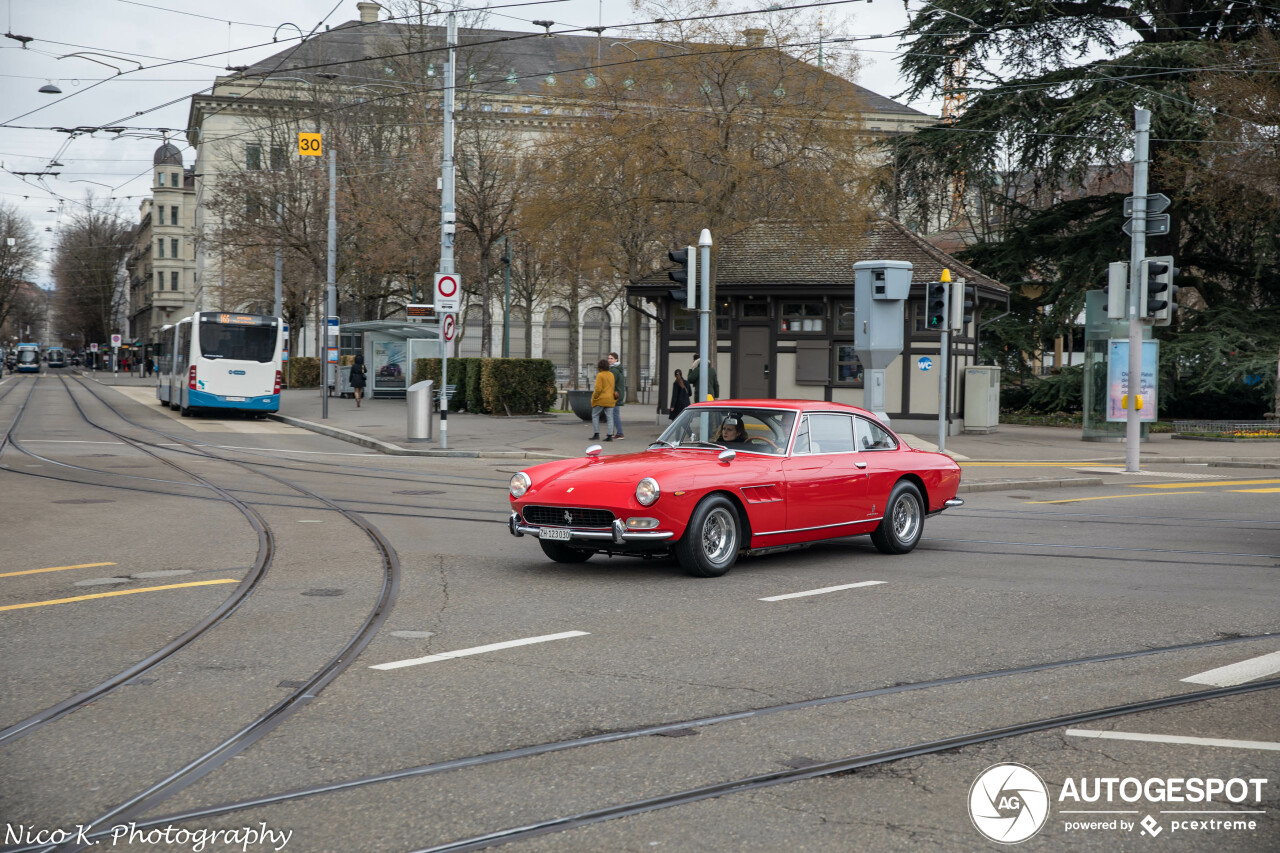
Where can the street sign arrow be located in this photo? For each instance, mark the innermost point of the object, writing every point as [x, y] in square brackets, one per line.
[1156, 203]
[1156, 225]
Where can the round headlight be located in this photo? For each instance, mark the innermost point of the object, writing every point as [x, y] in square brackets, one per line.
[520, 484]
[647, 491]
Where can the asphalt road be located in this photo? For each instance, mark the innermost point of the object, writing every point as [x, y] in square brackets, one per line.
[458, 747]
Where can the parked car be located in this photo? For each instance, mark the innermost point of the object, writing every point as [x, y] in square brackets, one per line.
[735, 477]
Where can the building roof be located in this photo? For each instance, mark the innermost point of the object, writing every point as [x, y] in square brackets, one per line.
[167, 155]
[773, 254]
[504, 61]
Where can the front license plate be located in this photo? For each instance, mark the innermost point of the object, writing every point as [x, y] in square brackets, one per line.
[236, 399]
[561, 533]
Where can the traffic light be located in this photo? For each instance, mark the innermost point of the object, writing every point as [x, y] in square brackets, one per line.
[936, 306]
[687, 273]
[963, 299]
[1159, 295]
[1117, 290]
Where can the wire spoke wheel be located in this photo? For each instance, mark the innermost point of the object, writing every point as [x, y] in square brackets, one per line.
[899, 531]
[710, 544]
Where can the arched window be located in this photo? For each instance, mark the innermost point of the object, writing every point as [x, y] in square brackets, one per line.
[595, 340]
[555, 343]
[472, 333]
[519, 340]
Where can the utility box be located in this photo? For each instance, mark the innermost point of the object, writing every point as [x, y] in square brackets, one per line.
[981, 399]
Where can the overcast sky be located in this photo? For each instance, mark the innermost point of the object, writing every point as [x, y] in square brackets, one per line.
[207, 37]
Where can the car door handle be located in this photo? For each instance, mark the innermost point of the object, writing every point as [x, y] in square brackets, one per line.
[860, 464]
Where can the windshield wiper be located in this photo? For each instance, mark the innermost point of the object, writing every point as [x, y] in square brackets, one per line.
[662, 442]
[698, 443]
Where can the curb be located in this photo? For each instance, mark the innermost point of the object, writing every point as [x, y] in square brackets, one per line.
[396, 450]
[1036, 483]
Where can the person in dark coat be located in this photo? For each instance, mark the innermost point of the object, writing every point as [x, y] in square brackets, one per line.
[358, 373]
[680, 393]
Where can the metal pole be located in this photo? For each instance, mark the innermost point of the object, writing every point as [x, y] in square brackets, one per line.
[447, 218]
[704, 315]
[331, 288]
[1138, 248]
[944, 350]
[279, 291]
[506, 298]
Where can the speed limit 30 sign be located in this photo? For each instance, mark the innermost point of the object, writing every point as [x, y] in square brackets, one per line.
[448, 293]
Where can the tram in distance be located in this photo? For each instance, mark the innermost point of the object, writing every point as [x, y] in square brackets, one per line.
[55, 357]
[215, 360]
[28, 358]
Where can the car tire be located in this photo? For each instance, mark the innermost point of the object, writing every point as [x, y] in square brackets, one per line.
[710, 544]
[899, 531]
[563, 553]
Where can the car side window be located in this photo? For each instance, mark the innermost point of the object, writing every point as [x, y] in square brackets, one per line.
[830, 433]
[872, 437]
[802, 436]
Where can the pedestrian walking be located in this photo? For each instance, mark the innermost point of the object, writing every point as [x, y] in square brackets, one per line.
[603, 399]
[619, 393]
[713, 384]
[358, 374]
[680, 395]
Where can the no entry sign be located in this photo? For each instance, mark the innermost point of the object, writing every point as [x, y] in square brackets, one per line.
[448, 292]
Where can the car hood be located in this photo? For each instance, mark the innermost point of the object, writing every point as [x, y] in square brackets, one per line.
[660, 464]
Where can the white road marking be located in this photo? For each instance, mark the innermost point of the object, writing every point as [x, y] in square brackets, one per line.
[1180, 739]
[825, 589]
[492, 647]
[1238, 673]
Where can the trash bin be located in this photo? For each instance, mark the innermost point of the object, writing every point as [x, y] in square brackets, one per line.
[421, 416]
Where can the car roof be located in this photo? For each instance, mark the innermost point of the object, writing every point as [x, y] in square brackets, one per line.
[795, 405]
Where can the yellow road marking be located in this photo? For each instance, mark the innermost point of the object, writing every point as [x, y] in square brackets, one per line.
[54, 569]
[117, 592]
[1202, 484]
[1264, 491]
[1103, 498]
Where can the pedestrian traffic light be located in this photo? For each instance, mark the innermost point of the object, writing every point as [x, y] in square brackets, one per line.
[1117, 290]
[687, 273]
[936, 306]
[1159, 295]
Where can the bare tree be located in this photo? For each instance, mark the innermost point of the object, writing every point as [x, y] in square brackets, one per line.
[19, 252]
[88, 267]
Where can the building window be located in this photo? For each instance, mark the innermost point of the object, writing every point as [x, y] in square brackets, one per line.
[160, 248]
[755, 310]
[683, 320]
[173, 248]
[555, 344]
[159, 179]
[173, 216]
[159, 281]
[253, 157]
[277, 158]
[848, 367]
[844, 317]
[173, 280]
[918, 319]
[804, 317]
[722, 316]
[177, 181]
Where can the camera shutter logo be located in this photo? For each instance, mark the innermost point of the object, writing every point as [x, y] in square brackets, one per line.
[1008, 803]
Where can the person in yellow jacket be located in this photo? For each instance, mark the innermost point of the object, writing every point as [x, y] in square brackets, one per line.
[603, 399]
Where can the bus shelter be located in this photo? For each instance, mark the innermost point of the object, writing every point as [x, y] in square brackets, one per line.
[390, 349]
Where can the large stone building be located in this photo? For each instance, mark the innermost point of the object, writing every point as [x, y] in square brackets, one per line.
[162, 265]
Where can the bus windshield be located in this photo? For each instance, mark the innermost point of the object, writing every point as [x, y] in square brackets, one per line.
[28, 356]
[240, 343]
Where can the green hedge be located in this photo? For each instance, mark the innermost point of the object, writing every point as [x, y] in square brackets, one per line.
[302, 372]
[519, 386]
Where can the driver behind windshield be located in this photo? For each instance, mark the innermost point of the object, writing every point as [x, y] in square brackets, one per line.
[732, 432]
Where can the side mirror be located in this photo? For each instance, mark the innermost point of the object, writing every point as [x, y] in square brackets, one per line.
[594, 450]
[728, 455]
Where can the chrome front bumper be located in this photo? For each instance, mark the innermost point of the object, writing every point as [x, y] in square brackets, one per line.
[954, 502]
[618, 533]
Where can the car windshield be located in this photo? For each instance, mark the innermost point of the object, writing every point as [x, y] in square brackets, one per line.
[749, 430]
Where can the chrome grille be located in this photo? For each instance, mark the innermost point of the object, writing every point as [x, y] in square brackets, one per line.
[555, 516]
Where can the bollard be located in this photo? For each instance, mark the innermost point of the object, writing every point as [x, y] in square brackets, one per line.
[421, 416]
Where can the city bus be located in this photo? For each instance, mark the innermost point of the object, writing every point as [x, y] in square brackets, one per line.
[55, 357]
[28, 358]
[215, 360]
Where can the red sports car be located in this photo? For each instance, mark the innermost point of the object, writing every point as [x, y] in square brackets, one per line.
[736, 477]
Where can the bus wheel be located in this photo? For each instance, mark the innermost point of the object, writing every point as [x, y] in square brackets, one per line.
[186, 411]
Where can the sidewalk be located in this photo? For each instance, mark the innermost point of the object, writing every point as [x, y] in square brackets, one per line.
[1014, 457]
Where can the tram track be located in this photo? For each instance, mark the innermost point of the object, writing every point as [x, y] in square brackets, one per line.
[754, 782]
